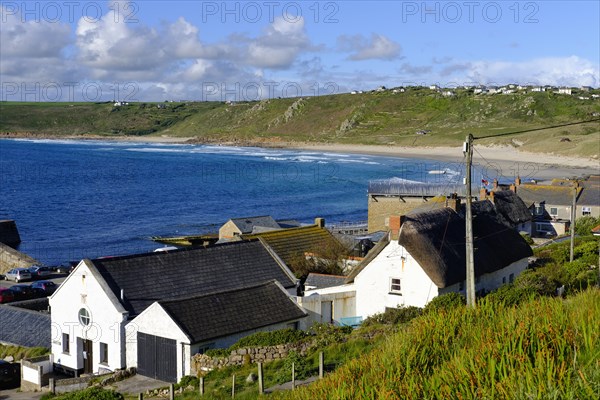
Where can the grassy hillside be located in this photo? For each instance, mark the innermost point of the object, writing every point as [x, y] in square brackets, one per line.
[384, 118]
[544, 349]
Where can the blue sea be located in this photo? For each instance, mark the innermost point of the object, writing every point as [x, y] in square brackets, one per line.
[76, 199]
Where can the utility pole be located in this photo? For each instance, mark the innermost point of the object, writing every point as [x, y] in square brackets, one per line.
[468, 149]
[573, 214]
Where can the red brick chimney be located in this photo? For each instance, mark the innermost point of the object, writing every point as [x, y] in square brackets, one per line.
[453, 202]
[482, 194]
[394, 225]
[513, 187]
[491, 197]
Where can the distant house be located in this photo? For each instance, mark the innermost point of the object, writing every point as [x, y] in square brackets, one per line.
[133, 310]
[434, 87]
[240, 226]
[509, 208]
[448, 93]
[423, 257]
[538, 89]
[564, 90]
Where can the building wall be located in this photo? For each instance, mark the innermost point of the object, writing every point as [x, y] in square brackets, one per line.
[82, 290]
[228, 230]
[491, 281]
[343, 299]
[373, 293]
[11, 258]
[381, 207]
[155, 321]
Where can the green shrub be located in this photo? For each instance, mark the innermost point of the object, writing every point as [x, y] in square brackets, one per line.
[527, 238]
[394, 316]
[511, 295]
[187, 381]
[218, 352]
[327, 334]
[584, 225]
[445, 302]
[535, 282]
[272, 338]
[92, 393]
[302, 368]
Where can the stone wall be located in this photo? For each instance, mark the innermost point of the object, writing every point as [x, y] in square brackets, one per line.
[11, 258]
[203, 363]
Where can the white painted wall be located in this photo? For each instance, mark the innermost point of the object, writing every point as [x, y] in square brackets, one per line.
[373, 283]
[154, 320]
[344, 304]
[82, 289]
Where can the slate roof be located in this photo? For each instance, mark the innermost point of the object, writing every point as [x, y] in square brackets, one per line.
[590, 196]
[374, 252]
[150, 277]
[321, 281]
[436, 240]
[246, 225]
[289, 244]
[549, 194]
[24, 327]
[225, 313]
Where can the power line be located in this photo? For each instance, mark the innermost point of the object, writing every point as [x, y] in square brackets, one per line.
[538, 129]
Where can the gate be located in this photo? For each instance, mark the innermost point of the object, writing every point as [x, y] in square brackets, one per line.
[157, 357]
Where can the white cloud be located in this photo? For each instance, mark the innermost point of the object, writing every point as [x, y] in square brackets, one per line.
[376, 47]
[568, 71]
[280, 45]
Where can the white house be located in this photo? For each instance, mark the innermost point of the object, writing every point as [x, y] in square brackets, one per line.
[105, 306]
[424, 257]
[564, 90]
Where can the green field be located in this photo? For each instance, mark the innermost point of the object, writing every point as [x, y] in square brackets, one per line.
[380, 118]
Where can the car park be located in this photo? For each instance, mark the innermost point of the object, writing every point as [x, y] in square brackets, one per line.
[10, 375]
[6, 295]
[47, 286]
[18, 275]
[25, 292]
[38, 271]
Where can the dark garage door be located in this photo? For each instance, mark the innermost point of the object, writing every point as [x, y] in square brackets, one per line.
[157, 357]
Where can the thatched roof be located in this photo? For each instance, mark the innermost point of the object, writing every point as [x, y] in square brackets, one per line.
[436, 240]
[507, 208]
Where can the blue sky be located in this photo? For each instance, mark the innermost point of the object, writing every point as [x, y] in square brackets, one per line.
[244, 50]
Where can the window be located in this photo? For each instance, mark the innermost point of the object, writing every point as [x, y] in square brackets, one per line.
[104, 353]
[395, 286]
[84, 317]
[539, 210]
[553, 211]
[541, 227]
[461, 286]
[586, 210]
[65, 343]
[503, 280]
[511, 278]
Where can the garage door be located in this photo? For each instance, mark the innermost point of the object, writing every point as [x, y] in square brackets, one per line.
[157, 357]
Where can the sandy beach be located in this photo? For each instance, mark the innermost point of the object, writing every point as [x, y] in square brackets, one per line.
[505, 160]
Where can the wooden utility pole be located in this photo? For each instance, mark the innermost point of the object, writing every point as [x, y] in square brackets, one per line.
[469, 226]
[573, 216]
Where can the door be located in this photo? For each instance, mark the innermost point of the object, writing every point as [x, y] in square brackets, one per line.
[88, 357]
[157, 357]
[327, 312]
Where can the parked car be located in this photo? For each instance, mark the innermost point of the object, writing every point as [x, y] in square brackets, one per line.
[38, 271]
[47, 286]
[18, 275]
[25, 292]
[65, 268]
[10, 375]
[6, 295]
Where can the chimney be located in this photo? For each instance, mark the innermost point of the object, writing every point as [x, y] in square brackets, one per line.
[395, 222]
[482, 194]
[518, 181]
[320, 222]
[492, 198]
[453, 202]
[513, 188]
[495, 183]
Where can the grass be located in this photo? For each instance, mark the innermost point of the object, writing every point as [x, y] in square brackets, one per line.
[544, 349]
[19, 352]
[369, 118]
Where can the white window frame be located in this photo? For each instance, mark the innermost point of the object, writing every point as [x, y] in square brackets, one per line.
[395, 286]
[66, 343]
[103, 353]
[555, 213]
[586, 210]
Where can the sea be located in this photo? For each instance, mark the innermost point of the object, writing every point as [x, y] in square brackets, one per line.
[87, 199]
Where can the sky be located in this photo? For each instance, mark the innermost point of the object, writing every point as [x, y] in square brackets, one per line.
[157, 50]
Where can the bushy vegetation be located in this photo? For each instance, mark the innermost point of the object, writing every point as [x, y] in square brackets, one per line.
[584, 225]
[445, 302]
[545, 348]
[393, 316]
[19, 353]
[92, 393]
